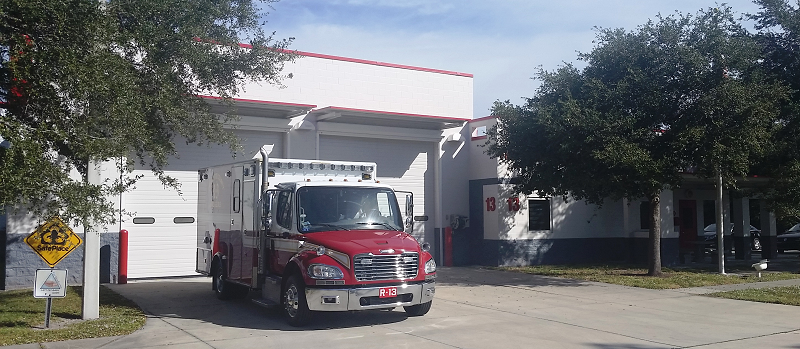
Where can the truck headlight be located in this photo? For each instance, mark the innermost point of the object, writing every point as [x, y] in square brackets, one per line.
[322, 271]
[430, 267]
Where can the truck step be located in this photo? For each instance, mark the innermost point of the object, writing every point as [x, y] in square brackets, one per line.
[266, 303]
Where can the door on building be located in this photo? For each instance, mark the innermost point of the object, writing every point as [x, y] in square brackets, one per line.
[687, 212]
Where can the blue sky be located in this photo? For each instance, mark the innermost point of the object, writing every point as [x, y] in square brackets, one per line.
[500, 42]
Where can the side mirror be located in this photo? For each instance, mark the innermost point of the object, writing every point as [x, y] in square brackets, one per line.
[410, 205]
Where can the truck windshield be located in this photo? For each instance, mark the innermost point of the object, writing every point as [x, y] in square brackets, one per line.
[346, 208]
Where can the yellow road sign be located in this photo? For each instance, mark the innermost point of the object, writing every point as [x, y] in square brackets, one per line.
[53, 241]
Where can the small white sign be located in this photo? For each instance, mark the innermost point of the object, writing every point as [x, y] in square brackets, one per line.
[50, 283]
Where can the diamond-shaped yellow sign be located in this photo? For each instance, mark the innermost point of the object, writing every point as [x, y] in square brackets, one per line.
[53, 241]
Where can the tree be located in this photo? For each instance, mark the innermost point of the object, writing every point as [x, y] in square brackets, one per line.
[680, 92]
[778, 24]
[90, 81]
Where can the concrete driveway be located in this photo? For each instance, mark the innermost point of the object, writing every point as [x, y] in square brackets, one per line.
[474, 308]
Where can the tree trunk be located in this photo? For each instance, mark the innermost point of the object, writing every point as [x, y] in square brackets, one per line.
[654, 252]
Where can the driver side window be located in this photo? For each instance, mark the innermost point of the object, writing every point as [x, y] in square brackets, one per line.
[284, 209]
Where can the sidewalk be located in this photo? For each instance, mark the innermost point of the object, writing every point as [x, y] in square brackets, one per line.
[474, 308]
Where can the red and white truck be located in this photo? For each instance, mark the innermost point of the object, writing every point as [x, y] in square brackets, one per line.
[310, 235]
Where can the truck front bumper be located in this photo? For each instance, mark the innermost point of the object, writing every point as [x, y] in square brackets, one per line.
[368, 297]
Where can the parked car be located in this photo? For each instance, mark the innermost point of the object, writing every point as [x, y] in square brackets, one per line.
[710, 237]
[790, 239]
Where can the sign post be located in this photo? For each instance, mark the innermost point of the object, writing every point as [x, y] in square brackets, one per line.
[50, 283]
[52, 241]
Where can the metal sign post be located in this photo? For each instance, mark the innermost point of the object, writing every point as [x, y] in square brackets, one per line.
[50, 283]
[52, 241]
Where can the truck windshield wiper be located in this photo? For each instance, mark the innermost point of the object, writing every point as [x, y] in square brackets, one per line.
[330, 226]
[379, 223]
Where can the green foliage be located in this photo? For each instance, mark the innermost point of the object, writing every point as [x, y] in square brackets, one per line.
[679, 94]
[84, 81]
[778, 23]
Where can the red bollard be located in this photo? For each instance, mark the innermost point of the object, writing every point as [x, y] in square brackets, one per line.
[123, 257]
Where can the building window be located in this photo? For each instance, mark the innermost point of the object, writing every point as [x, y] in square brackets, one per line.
[539, 214]
[709, 212]
[644, 215]
[144, 220]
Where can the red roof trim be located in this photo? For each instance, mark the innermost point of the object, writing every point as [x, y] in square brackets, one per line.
[484, 118]
[390, 113]
[309, 106]
[364, 61]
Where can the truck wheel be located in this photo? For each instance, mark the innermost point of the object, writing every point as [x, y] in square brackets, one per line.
[222, 288]
[294, 301]
[756, 244]
[419, 309]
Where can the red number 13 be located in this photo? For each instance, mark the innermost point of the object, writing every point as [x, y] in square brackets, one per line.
[490, 204]
[513, 204]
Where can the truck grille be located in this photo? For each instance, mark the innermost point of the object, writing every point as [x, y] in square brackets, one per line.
[369, 267]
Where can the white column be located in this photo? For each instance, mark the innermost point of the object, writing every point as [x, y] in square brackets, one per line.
[91, 259]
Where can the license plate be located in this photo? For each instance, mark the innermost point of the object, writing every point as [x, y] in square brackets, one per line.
[387, 292]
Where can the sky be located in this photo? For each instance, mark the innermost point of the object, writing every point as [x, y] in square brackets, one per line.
[501, 42]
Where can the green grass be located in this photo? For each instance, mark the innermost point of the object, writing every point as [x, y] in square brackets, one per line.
[22, 317]
[637, 276]
[789, 295]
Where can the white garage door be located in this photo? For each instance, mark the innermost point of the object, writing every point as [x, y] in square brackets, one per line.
[162, 233]
[401, 164]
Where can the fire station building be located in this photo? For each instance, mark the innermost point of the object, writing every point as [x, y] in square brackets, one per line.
[417, 125]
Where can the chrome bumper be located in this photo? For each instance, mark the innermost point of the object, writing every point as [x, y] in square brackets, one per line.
[351, 298]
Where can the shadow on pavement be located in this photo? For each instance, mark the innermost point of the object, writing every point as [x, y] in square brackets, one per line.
[192, 299]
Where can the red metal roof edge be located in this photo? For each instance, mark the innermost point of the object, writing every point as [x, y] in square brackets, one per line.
[484, 118]
[392, 113]
[365, 61]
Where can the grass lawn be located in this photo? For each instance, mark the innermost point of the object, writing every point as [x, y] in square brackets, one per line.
[789, 295]
[22, 317]
[637, 276]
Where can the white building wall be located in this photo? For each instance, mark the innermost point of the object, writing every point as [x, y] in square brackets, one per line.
[357, 84]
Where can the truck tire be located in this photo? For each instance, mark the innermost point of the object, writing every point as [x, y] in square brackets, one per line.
[222, 288]
[294, 301]
[419, 309]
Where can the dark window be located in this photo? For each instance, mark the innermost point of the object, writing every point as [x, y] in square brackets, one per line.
[144, 220]
[284, 210]
[644, 215]
[539, 214]
[709, 212]
[237, 203]
[183, 220]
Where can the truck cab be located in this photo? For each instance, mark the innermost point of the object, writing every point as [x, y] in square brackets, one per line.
[314, 236]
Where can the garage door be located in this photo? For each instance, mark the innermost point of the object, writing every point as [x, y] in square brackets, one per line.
[401, 164]
[162, 238]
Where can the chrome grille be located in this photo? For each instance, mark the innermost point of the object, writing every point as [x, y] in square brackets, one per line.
[370, 267]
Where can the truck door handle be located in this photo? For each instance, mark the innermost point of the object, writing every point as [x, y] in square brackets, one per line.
[231, 221]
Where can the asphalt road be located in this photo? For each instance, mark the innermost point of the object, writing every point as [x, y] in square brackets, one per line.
[473, 308]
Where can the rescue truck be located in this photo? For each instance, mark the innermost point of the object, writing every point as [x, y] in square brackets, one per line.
[310, 236]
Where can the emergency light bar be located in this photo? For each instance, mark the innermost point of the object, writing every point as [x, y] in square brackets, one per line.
[341, 169]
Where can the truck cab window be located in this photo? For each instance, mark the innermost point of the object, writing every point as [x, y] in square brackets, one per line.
[323, 208]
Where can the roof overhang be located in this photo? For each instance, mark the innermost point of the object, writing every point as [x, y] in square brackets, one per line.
[251, 107]
[385, 118]
[692, 181]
